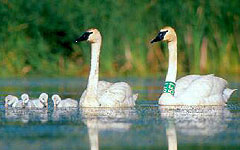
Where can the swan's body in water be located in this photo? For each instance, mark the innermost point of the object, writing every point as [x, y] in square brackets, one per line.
[102, 93]
[40, 102]
[13, 101]
[191, 89]
[58, 102]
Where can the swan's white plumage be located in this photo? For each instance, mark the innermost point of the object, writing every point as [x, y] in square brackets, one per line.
[191, 89]
[114, 95]
[35, 103]
[102, 93]
[58, 102]
[202, 90]
[40, 102]
[13, 101]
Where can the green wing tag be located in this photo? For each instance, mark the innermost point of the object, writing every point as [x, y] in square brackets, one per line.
[169, 87]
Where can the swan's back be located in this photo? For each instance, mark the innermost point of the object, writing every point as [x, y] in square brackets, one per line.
[201, 90]
[183, 83]
[68, 103]
[18, 104]
[103, 86]
[113, 95]
[35, 103]
[117, 95]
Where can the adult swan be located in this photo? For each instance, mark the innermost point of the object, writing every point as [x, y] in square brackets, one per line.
[102, 93]
[191, 89]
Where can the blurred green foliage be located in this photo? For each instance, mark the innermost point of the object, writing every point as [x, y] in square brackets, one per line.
[37, 36]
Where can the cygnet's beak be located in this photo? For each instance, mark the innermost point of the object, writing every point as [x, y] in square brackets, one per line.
[84, 37]
[6, 105]
[46, 104]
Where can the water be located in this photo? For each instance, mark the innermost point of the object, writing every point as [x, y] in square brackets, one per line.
[147, 126]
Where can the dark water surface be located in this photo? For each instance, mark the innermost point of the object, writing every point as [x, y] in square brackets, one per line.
[145, 127]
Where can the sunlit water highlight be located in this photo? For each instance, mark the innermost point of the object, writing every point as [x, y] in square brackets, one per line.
[147, 126]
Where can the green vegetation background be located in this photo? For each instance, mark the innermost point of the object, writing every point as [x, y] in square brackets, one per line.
[37, 36]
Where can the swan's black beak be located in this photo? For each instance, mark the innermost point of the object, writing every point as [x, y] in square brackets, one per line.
[159, 37]
[156, 39]
[84, 37]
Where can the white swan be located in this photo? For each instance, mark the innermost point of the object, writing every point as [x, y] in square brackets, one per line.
[13, 101]
[58, 102]
[41, 102]
[191, 89]
[102, 93]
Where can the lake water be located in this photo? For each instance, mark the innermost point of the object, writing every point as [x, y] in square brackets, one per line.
[145, 127]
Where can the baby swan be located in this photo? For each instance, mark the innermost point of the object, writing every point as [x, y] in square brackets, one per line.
[102, 93]
[191, 89]
[41, 102]
[58, 102]
[13, 101]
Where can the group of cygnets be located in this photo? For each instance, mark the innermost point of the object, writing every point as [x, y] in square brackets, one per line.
[41, 102]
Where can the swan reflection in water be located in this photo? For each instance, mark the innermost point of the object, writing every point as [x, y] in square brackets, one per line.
[25, 115]
[193, 121]
[103, 119]
[16, 114]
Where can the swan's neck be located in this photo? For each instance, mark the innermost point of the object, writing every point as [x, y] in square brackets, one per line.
[172, 62]
[169, 85]
[94, 69]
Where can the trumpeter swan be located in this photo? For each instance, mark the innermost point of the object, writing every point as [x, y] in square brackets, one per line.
[102, 93]
[40, 102]
[58, 102]
[13, 101]
[191, 89]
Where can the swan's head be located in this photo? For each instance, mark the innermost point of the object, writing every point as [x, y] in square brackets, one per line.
[91, 35]
[44, 99]
[10, 99]
[25, 98]
[56, 99]
[167, 34]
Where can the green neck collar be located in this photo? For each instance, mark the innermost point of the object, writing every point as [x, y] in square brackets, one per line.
[169, 87]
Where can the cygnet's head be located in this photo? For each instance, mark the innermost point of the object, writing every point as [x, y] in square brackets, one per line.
[44, 99]
[91, 35]
[167, 34]
[10, 99]
[56, 99]
[25, 98]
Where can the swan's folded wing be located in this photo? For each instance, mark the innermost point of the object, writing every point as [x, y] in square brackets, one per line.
[117, 95]
[35, 104]
[69, 103]
[199, 89]
[183, 83]
[18, 104]
[219, 85]
[103, 86]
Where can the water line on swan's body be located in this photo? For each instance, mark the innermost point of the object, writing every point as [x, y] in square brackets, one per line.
[94, 70]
